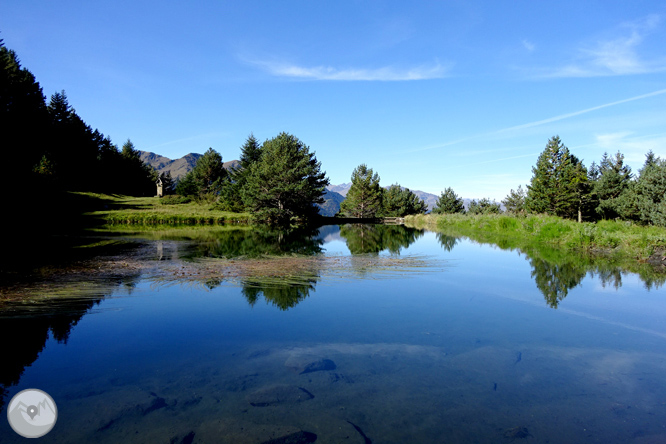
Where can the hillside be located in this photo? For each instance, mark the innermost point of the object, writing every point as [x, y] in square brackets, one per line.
[178, 167]
[332, 204]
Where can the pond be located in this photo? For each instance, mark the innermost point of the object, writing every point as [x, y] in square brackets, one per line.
[354, 334]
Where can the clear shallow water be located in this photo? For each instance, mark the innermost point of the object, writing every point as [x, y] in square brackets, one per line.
[467, 349]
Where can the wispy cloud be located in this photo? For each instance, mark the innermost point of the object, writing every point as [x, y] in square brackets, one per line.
[634, 148]
[529, 46]
[583, 111]
[615, 56]
[386, 74]
[542, 122]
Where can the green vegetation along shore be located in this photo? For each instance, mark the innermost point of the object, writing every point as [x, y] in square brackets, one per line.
[610, 238]
[115, 209]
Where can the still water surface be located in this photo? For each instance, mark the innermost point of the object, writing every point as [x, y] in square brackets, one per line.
[394, 335]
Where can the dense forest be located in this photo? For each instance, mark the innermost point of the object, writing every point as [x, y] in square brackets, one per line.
[50, 148]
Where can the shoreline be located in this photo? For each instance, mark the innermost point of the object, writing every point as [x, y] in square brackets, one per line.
[622, 240]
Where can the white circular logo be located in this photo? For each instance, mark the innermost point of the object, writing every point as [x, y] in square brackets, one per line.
[32, 413]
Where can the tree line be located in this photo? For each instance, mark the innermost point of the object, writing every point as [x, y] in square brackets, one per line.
[48, 146]
[277, 182]
[367, 199]
[562, 186]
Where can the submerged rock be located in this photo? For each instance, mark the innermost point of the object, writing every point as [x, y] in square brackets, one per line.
[321, 365]
[278, 394]
[300, 437]
[516, 433]
[186, 439]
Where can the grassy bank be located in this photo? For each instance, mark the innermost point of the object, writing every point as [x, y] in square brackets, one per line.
[114, 209]
[603, 237]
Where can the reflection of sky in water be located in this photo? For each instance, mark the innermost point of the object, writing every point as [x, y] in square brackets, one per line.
[466, 352]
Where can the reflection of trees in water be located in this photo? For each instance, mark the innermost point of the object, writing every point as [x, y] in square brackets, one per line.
[260, 242]
[25, 328]
[555, 280]
[282, 296]
[555, 277]
[558, 271]
[447, 242]
[367, 238]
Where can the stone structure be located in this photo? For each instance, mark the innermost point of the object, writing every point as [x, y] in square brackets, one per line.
[160, 190]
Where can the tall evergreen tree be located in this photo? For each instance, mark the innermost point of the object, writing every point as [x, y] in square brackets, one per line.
[232, 190]
[558, 183]
[285, 183]
[23, 125]
[645, 200]
[250, 152]
[612, 179]
[139, 178]
[364, 198]
[448, 202]
[209, 172]
[399, 202]
[206, 179]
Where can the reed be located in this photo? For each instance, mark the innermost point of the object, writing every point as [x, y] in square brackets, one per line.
[603, 237]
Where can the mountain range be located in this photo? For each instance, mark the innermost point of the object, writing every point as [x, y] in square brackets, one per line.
[178, 167]
[334, 195]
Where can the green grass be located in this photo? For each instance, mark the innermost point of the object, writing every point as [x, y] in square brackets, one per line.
[604, 237]
[115, 209]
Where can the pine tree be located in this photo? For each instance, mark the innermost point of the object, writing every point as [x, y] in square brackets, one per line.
[23, 121]
[400, 202]
[364, 198]
[138, 177]
[558, 184]
[612, 180]
[515, 201]
[448, 202]
[647, 196]
[231, 196]
[285, 182]
[250, 152]
[209, 172]
[484, 206]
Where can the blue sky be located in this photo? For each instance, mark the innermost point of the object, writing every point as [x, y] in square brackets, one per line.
[461, 94]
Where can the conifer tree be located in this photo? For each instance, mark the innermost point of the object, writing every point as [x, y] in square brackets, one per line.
[645, 200]
[232, 190]
[448, 202]
[364, 198]
[613, 178]
[399, 202]
[285, 182]
[558, 184]
[483, 206]
[209, 172]
[515, 201]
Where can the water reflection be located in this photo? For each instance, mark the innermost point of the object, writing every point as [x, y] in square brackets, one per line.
[372, 239]
[34, 321]
[260, 242]
[556, 272]
[447, 242]
[283, 296]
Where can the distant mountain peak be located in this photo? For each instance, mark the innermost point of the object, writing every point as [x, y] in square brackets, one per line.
[178, 167]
